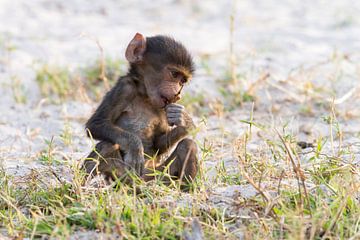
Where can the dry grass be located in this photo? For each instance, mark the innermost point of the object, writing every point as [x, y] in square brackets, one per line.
[292, 193]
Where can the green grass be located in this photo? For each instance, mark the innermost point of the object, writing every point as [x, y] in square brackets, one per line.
[7, 47]
[18, 90]
[194, 103]
[92, 74]
[56, 83]
[234, 92]
[66, 135]
[64, 208]
[43, 204]
[300, 194]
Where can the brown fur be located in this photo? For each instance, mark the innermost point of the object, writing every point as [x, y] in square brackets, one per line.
[138, 117]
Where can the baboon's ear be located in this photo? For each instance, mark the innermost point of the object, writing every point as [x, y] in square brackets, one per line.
[136, 49]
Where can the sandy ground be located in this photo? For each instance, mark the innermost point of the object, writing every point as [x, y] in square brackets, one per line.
[296, 42]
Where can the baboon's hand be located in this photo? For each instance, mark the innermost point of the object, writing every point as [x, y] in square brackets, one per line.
[134, 161]
[134, 155]
[176, 115]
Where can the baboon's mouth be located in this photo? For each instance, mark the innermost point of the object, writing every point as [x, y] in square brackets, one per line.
[165, 100]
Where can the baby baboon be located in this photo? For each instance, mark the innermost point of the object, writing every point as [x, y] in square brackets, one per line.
[139, 116]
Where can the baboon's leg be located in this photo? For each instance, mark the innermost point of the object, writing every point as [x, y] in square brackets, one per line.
[105, 159]
[183, 161]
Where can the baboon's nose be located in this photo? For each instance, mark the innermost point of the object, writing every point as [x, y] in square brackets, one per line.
[176, 98]
[165, 100]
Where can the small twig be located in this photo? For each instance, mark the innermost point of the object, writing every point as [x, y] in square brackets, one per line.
[294, 166]
[282, 221]
[55, 175]
[102, 75]
[345, 96]
[281, 177]
[251, 181]
[232, 54]
[11, 204]
[340, 135]
[255, 84]
[294, 96]
[314, 94]
[297, 170]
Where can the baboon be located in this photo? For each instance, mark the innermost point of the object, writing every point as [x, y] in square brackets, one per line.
[139, 118]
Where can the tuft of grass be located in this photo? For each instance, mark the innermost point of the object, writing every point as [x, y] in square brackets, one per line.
[235, 94]
[18, 90]
[194, 103]
[66, 135]
[92, 75]
[43, 205]
[54, 81]
[316, 201]
[224, 176]
[232, 94]
[6, 48]
[63, 209]
[57, 82]
[47, 156]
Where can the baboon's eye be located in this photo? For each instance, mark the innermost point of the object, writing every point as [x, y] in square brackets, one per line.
[184, 80]
[175, 74]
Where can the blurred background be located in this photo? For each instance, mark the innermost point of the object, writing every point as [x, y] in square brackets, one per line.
[275, 80]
